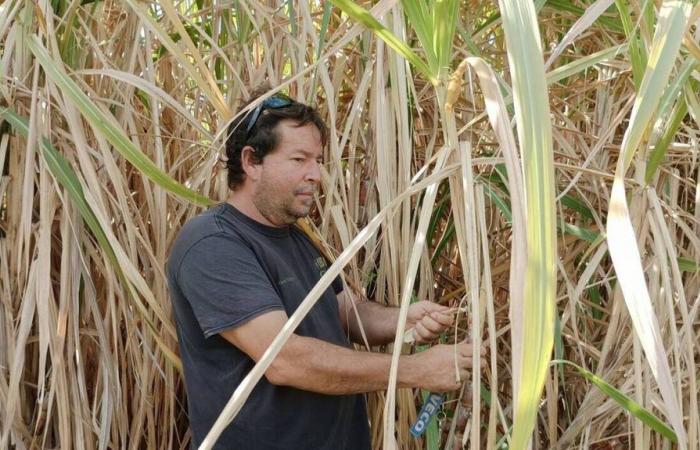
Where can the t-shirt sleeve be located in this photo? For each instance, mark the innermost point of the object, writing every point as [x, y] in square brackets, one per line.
[337, 285]
[225, 284]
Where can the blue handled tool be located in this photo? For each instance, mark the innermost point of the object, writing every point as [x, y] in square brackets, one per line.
[429, 409]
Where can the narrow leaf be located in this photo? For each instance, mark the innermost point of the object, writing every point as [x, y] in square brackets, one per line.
[535, 318]
[105, 124]
[622, 242]
[209, 85]
[687, 265]
[626, 402]
[365, 18]
[582, 24]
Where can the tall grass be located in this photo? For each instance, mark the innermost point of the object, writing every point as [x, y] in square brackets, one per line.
[113, 114]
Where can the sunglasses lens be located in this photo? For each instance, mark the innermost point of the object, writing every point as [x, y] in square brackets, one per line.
[274, 102]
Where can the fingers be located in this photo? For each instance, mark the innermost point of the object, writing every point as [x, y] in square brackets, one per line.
[430, 307]
[445, 320]
[463, 374]
[455, 384]
[465, 348]
[431, 325]
[452, 364]
[467, 344]
[419, 310]
[461, 366]
[436, 322]
[460, 377]
[464, 362]
[465, 351]
[427, 330]
[422, 334]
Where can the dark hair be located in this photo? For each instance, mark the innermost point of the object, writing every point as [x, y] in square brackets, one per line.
[263, 136]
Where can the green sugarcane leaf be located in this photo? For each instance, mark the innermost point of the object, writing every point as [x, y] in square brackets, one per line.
[534, 319]
[500, 203]
[581, 233]
[104, 123]
[673, 124]
[585, 234]
[444, 18]
[594, 295]
[577, 205]
[363, 16]
[419, 16]
[609, 23]
[581, 64]
[435, 26]
[634, 408]
[659, 152]
[687, 265]
[637, 51]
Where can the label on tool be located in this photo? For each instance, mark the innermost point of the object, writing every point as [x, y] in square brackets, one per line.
[429, 409]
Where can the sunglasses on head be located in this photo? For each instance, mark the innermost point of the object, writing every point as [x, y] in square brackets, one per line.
[274, 102]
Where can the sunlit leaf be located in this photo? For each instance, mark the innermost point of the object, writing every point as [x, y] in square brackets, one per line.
[533, 335]
[103, 123]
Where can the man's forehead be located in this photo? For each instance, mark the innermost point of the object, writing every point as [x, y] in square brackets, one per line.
[295, 126]
[306, 137]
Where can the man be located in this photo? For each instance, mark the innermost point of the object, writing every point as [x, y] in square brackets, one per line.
[237, 271]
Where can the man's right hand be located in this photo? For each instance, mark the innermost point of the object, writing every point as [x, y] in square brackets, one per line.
[437, 369]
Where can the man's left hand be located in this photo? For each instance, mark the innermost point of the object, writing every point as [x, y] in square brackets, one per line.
[428, 320]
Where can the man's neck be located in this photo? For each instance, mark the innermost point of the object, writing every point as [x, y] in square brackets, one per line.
[244, 204]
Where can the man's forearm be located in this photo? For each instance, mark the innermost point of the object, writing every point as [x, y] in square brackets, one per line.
[377, 321]
[318, 366]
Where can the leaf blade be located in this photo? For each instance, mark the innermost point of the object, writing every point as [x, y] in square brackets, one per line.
[111, 131]
[634, 408]
[361, 15]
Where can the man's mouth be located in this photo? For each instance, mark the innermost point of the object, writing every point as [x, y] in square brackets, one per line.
[306, 192]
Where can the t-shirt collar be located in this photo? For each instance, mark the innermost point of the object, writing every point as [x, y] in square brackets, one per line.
[255, 225]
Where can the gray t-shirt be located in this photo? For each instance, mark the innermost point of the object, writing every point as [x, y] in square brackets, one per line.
[225, 269]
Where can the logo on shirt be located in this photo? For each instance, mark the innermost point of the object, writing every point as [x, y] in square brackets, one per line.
[284, 281]
[321, 264]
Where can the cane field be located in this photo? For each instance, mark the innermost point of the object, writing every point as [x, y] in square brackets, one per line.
[532, 164]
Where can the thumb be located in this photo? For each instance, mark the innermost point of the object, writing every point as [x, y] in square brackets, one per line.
[434, 307]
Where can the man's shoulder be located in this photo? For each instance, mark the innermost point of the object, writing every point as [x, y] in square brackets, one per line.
[206, 229]
[207, 223]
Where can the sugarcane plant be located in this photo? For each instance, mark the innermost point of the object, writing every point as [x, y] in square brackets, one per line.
[531, 164]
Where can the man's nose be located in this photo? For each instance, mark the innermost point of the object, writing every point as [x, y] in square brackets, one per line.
[314, 172]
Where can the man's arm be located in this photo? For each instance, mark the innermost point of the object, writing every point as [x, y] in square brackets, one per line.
[427, 320]
[318, 366]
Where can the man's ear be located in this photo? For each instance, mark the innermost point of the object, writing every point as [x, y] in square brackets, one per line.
[249, 163]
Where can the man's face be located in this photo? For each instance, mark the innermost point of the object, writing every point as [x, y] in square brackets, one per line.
[289, 175]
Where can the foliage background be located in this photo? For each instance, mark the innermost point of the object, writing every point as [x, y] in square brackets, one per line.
[113, 123]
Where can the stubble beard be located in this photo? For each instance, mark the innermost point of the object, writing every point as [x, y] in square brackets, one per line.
[279, 209]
